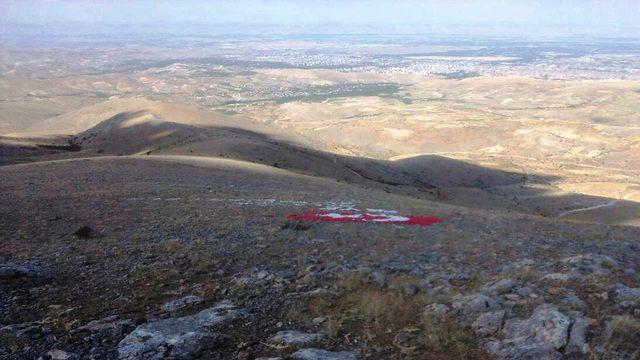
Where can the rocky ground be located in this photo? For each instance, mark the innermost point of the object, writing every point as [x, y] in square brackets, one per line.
[136, 258]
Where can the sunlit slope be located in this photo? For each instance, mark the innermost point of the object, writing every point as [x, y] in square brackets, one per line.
[491, 178]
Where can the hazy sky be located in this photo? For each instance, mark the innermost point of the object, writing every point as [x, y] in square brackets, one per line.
[589, 15]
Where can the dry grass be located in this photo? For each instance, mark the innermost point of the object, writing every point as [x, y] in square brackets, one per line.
[625, 337]
[377, 315]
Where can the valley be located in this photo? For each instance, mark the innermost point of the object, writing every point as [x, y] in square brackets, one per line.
[155, 199]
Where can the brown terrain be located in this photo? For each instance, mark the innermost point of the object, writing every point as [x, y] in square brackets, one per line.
[144, 215]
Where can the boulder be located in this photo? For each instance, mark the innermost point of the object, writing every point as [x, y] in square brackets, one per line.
[435, 309]
[538, 337]
[57, 354]
[573, 301]
[295, 338]
[546, 326]
[319, 354]
[179, 338]
[179, 304]
[109, 323]
[535, 352]
[562, 278]
[591, 264]
[500, 287]
[475, 304]
[11, 270]
[489, 323]
[578, 337]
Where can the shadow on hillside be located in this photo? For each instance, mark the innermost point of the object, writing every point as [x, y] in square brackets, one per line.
[430, 177]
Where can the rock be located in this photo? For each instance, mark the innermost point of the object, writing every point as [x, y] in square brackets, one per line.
[319, 354]
[269, 358]
[525, 291]
[10, 270]
[535, 352]
[451, 279]
[489, 323]
[110, 323]
[475, 304]
[500, 287]
[378, 278]
[512, 297]
[22, 330]
[57, 354]
[538, 337]
[85, 232]
[319, 320]
[573, 301]
[625, 297]
[411, 290]
[313, 293]
[182, 303]
[577, 337]
[524, 263]
[295, 338]
[561, 277]
[527, 352]
[546, 326]
[436, 309]
[311, 279]
[180, 337]
[405, 342]
[591, 264]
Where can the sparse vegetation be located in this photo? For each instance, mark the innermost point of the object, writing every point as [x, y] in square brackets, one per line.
[85, 232]
[379, 314]
[297, 225]
[623, 337]
[186, 155]
[70, 146]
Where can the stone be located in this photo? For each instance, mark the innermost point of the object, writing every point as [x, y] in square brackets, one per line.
[525, 291]
[625, 297]
[489, 323]
[179, 304]
[295, 338]
[512, 297]
[475, 304]
[500, 287]
[591, 264]
[10, 270]
[57, 354]
[561, 277]
[535, 352]
[109, 323]
[546, 326]
[578, 337]
[319, 354]
[405, 342]
[541, 336]
[316, 292]
[573, 301]
[378, 278]
[179, 338]
[319, 320]
[436, 309]
[411, 290]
